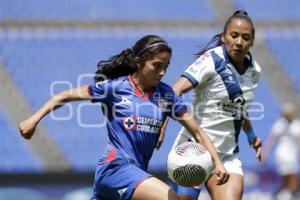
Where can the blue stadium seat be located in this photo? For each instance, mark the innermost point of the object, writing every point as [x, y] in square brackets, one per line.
[79, 194]
[105, 10]
[271, 10]
[14, 193]
[16, 155]
[285, 47]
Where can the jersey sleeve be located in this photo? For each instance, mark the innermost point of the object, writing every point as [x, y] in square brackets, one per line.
[101, 91]
[179, 107]
[257, 73]
[201, 70]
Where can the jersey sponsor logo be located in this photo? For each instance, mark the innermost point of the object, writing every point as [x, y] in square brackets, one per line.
[227, 75]
[232, 109]
[229, 80]
[124, 100]
[148, 125]
[129, 123]
[149, 121]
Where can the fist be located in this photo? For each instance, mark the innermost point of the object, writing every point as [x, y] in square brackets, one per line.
[27, 129]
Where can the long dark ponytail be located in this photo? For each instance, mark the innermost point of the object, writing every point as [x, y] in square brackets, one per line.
[216, 40]
[125, 63]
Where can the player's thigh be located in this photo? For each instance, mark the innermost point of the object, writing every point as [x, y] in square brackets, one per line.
[152, 188]
[232, 189]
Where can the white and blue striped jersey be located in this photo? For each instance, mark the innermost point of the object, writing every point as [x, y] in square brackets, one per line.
[223, 96]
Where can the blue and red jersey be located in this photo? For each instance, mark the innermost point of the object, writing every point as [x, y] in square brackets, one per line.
[134, 119]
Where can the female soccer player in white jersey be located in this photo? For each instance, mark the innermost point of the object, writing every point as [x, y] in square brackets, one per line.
[224, 77]
[285, 134]
[135, 103]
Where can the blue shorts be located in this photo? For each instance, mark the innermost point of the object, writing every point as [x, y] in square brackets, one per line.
[117, 180]
[186, 191]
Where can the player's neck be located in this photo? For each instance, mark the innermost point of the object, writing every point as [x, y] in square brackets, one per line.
[239, 65]
[139, 84]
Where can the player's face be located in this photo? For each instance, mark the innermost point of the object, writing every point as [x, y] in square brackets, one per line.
[238, 38]
[155, 68]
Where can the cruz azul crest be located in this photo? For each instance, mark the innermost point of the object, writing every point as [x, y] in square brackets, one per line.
[162, 104]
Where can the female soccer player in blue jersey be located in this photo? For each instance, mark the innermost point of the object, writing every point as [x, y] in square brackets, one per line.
[224, 77]
[135, 104]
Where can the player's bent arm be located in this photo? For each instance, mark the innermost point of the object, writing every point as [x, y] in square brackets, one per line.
[182, 85]
[188, 121]
[191, 125]
[28, 126]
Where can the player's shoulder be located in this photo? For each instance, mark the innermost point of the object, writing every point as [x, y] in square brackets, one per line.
[120, 81]
[215, 55]
[256, 66]
[117, 84]
[116, 81]
[296, 122]
[206, 59]
[218, 50]
[209, 54]
[163, 87]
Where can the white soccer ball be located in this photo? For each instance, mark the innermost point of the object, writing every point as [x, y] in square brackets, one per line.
[189, 164]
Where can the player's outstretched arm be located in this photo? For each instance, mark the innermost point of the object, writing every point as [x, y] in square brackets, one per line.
[28, 126]
[192, 126]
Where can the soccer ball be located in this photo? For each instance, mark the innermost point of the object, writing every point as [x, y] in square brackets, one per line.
[189, 164]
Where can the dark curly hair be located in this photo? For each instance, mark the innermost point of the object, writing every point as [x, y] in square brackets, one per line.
[216, 40]
[126, 62]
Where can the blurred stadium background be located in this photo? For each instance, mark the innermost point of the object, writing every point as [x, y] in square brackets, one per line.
[50, 45]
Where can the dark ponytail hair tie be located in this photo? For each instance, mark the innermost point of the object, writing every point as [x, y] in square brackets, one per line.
[240, 12]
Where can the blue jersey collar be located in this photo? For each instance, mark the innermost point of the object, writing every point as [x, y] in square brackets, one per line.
[248, 57]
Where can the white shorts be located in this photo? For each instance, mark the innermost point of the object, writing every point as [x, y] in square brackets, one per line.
[231, 162]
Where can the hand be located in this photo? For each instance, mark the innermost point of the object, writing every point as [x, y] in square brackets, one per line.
[222, 174]
[27, 128]
[257, 145]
